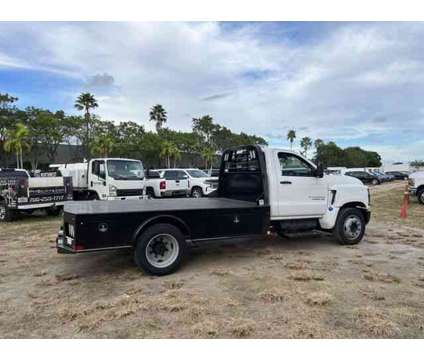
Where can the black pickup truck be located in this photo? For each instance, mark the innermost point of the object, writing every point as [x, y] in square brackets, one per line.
[161, 230]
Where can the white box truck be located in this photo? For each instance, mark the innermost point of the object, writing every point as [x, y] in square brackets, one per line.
[105, 179]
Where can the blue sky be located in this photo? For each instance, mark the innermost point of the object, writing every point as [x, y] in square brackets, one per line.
[359, 84]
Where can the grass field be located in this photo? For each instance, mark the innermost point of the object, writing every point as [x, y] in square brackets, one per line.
[386, 204]
[304, 286]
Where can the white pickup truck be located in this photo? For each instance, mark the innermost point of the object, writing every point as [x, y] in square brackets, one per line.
[199, 183]
[22, 193]
[416, 185]
[106, 179]
[259, 190]
[167, 183]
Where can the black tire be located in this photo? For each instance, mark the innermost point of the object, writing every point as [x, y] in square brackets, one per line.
[92, 196]
[150, 193]
[196, 192]
[350, 226]
[145, 240]
[375, 182]
[420, 195]
[54, 210]
[6, 214]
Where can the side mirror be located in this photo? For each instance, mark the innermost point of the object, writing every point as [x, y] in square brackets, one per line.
[319, 172]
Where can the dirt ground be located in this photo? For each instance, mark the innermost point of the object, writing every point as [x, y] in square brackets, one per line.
[299, 287]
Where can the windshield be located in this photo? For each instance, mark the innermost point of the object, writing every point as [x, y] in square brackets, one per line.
[125, 169]
[197, 173]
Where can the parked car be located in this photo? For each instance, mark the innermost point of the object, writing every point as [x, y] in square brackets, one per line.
[260, 189]
[383, 177]
[416, 185]
[365, 177]
[167, 183]
[398, 175]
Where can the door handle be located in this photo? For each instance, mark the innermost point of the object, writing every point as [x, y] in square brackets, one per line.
[285, 182]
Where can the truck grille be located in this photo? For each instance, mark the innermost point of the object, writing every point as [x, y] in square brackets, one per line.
[129, 192]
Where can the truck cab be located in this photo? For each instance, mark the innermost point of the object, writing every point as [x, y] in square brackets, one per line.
[106, 179]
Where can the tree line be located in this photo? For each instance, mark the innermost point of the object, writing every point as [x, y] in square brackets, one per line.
[329, 154]
[32, 132]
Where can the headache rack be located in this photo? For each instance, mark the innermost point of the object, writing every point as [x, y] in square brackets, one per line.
[243, 175]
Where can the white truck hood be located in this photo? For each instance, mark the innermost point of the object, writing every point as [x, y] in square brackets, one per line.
[417, 174]
[336, 180]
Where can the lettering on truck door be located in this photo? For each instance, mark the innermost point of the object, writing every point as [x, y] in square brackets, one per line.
[300, 192]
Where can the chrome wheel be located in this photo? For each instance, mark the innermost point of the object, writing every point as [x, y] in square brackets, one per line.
[162, 250]
[352, 227]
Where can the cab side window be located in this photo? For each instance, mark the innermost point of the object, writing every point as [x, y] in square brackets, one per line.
[98, 168]
[181, 175]
[292, 165]
[170, 175]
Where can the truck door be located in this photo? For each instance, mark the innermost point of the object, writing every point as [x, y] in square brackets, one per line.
[182, 180]
[300, 192]
[97, 178]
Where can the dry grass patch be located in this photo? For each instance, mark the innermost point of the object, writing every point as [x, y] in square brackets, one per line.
[381, 277]
[206, 329]
[306, 276]
[173, 284]
[220, 272]
[375, 323]
[66, 277]
[273, 296]
[319, 298]
[296, 265]
[242, 328]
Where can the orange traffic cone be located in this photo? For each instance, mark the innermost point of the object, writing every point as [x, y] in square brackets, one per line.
[405, 203]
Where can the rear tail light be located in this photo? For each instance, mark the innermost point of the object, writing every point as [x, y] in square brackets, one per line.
[79, 247]
[162, 185]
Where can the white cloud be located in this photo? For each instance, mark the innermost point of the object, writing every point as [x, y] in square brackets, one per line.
[333, 86]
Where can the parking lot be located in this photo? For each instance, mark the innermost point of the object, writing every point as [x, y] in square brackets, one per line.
[297, 287]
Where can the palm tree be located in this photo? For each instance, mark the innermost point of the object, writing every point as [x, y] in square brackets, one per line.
[168, 150]
[291, 135]
[176, 156]
[158, 115]
[305, 143]
[103, 145]
[17, 140]
[318, 143]
[208, 155]
[85, 102]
